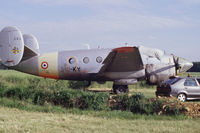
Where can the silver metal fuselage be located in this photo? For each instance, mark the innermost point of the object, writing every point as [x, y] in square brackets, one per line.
[86, 64]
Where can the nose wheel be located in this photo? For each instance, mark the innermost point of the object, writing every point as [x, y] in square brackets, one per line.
[119, 89]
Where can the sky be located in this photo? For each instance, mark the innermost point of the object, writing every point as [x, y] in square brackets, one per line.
[169, 25]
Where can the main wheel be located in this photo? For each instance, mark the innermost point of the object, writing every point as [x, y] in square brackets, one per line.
[119, 89]
[182, 97]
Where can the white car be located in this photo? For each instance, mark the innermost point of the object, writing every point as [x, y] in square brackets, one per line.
[184, 88]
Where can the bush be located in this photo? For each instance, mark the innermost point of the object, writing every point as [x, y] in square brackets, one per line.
[64, 98]
[157, 105]
[92, 101]
[72, 99]
[77, 84]
[41, 97]
[136, 104]
[140, 104]
[16, 92]
[3, 89]
[170, 110]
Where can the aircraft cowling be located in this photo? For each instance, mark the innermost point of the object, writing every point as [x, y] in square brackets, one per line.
[156, 74]
[152, 79]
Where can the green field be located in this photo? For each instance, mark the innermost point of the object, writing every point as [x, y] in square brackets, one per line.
[14, 120]
[21, 115]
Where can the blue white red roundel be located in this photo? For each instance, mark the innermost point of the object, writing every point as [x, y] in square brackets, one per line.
[44, 65]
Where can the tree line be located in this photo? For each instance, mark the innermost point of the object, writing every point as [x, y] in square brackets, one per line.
[195, 68]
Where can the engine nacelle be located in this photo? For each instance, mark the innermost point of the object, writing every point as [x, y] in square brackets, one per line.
[156, 79]
[156, 74]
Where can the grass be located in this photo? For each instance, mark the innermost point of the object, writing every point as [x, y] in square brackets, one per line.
[17, 78]
[48, 108]
[24, 116]
[14, 120]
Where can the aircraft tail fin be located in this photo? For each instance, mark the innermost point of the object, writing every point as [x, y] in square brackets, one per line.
[15, 47]
[31, 47]
[11, 46]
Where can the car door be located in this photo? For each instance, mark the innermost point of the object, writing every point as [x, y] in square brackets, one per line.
[192, 88]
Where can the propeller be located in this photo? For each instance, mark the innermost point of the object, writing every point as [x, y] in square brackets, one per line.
[176, 64]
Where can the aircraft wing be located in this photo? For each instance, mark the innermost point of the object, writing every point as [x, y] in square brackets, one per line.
[123, 59]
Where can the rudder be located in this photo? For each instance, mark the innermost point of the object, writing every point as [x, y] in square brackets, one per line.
[11, 46]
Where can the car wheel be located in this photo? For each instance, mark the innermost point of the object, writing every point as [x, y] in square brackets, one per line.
[182, 97]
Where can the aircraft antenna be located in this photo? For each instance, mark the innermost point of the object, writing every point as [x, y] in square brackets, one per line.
[87, 45]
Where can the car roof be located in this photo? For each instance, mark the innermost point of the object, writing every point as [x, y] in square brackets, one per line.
[188, 77]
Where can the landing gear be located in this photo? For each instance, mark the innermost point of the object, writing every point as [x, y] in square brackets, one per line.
[89, 83]
[119, 89]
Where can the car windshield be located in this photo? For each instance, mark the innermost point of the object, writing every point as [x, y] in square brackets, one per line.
[172, 81]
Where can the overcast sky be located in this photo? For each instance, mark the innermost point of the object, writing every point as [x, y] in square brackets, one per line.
[170, 25]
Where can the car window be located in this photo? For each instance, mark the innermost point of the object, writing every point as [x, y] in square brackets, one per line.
[190, 82]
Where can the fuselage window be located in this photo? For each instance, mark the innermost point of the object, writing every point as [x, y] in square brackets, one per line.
[99, 59]
[86, 60]
[71, 60]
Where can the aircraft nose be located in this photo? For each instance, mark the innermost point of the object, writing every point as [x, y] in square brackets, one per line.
[185, 65]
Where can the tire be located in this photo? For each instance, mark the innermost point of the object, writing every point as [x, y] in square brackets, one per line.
[126, 90]
[120, 89]
[182, 97]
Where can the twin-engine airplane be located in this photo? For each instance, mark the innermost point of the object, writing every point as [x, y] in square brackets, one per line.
[124, 66]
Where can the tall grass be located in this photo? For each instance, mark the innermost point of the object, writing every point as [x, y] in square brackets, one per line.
[42, 91]
[49, 108]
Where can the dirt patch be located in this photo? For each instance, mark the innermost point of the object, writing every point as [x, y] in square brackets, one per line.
[187, 108]
[172, 104]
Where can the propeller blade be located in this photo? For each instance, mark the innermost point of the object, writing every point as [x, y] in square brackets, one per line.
[176, 64]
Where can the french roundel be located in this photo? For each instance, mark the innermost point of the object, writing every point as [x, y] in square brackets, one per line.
[44, 65]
